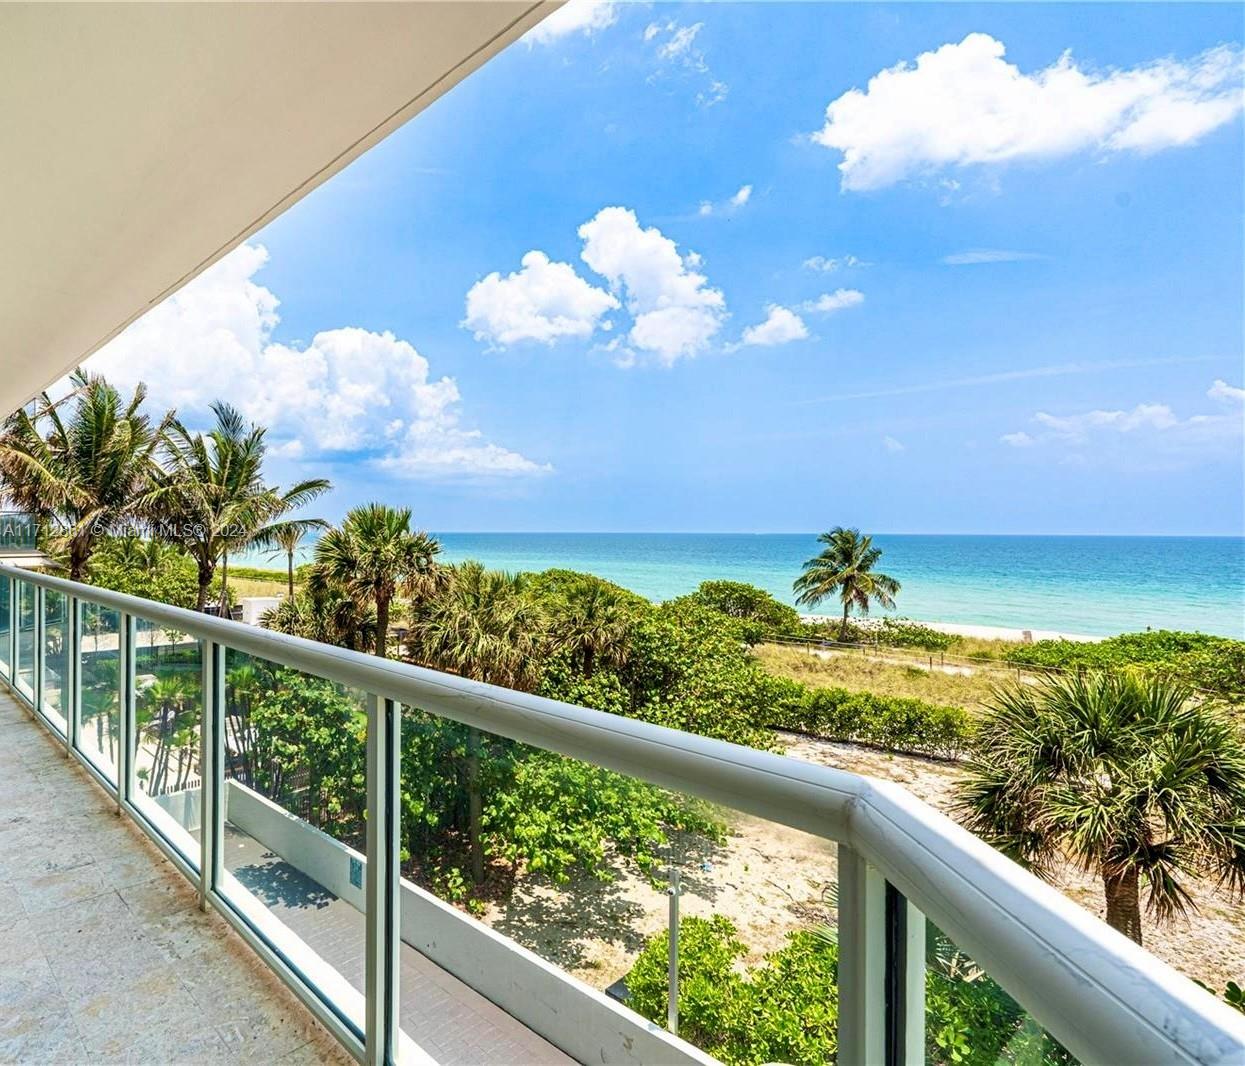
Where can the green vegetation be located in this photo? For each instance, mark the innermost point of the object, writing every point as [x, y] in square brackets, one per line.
[870, 673]
[152, 569]
[786, 1009]
[763, 616]
[373, 555]
[897, 723]
[85, 472]
[1132, 779]
[213, 499]
[845, 569]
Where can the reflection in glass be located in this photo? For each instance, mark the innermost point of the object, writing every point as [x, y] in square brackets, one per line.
[6, 592]
[56, 640]
[295, 745]
[167, 715]
[576, 863]
[26, 639]
[971, 1021]
[99, 729]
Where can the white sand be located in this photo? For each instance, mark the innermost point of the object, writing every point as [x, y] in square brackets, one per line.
[964, 629]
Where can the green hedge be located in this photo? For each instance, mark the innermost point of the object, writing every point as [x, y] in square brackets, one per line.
[898, 723]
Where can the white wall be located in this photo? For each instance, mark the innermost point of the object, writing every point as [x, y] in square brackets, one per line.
[582, 1021]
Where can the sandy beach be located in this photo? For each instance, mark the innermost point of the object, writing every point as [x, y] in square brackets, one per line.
[979, 632]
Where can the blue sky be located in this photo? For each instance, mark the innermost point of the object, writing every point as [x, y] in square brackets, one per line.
[997, 289]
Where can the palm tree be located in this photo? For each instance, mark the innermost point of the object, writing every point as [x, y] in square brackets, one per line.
[845, 569]
[482, 626]
[215, 500]
[326, 612]
[592, 621]
[285, 537]
[1132, 779]
[93, 469]
[373, 555]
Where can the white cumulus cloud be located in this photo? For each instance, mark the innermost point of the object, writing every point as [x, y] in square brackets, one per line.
[963, 105]
[576, 16]
[829, 302]
[675, 312]
[350, 391]
[743, 196]
[1145, 428]
[781, 326]
[543, 301]
[1221, 390]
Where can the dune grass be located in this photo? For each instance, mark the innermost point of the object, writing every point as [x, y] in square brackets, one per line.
[249, 586]
[866, 674]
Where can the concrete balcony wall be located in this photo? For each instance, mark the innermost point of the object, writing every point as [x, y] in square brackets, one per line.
[581, 1020]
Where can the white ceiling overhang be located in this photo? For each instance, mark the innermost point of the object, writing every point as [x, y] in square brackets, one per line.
[140, 142]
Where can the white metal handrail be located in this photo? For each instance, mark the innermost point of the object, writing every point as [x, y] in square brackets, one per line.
[1102, 996]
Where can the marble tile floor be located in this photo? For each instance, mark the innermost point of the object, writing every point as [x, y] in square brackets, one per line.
[104, 955]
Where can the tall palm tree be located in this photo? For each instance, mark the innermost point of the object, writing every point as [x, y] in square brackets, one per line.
[1132, 779]
[845, 568]
[84, 471]
[482, 626]
[215, 500]
[285, 537]
[592, 621]
[373, 555]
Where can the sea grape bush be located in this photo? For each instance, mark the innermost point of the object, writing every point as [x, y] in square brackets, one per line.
[898, 723]
[786, 1009]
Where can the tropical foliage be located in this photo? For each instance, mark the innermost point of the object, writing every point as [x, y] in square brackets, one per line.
[845, 568]
[213, 499]
[1133, 779]
[84, 463]
[372, 556]
[897, 723]
[786, 1008]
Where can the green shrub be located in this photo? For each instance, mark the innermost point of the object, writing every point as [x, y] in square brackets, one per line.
[764, 615]
[902, 633]
[898, 723]
[785, 1010]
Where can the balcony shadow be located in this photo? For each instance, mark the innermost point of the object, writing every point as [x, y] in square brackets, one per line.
[276, 883]
[568, 924]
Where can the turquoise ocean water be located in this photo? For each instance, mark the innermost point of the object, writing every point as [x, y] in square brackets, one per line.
[1091, 585]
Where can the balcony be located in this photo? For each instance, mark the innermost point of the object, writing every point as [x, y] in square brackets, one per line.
[392, 972]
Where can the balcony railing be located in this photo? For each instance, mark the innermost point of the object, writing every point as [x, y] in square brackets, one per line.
[82, 659]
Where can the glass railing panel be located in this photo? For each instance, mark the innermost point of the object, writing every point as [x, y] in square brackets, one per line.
[971, 1021]
[25, 638]
[545, 883]
[294, 846]
[168, 712]
[56, 654]
[6, 596]
[99, 728]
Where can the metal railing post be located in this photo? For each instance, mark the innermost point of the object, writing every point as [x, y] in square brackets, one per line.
[914, 987]
[672, 960]
[13, 616]
[862, 962]
[211, 768]
[71, 697]
[381, 880]
[38, 649]
[125, 739]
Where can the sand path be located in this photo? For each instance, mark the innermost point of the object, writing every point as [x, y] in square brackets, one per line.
[769, 880]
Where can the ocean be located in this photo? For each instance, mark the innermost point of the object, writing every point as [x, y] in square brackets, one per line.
[1097, 586]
